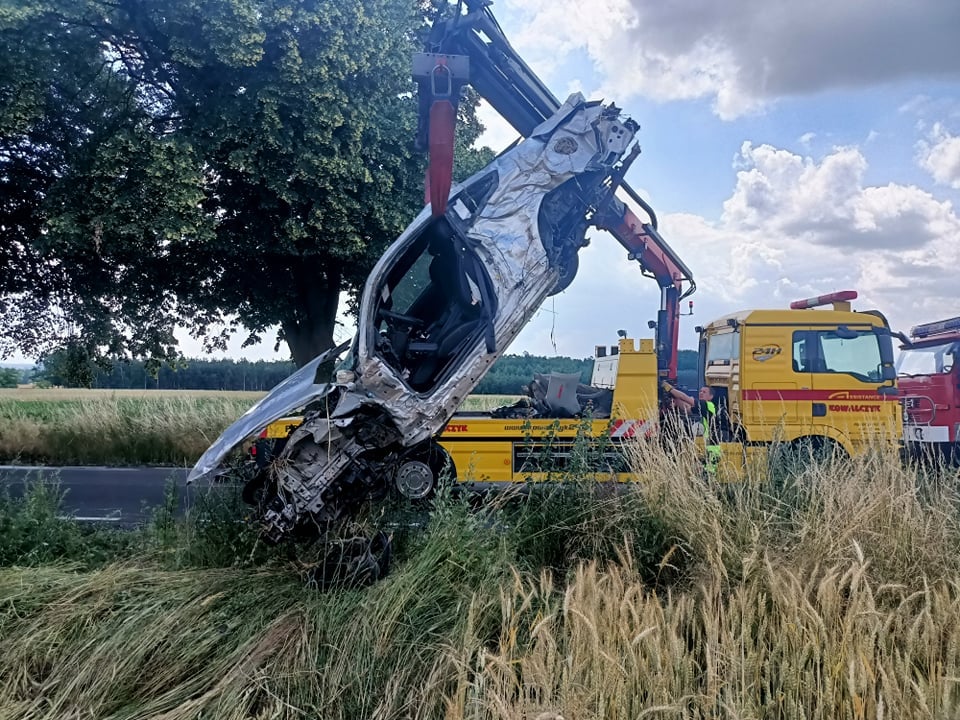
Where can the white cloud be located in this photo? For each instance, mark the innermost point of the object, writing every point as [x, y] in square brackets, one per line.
[917, 105]
[939, 155]
[792, 227]
[744, 53]
[497, 133]
[798, 225]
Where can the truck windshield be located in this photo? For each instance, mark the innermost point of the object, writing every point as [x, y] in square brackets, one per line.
[931, 360]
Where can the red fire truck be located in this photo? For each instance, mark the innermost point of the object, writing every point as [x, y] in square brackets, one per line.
[929, 382]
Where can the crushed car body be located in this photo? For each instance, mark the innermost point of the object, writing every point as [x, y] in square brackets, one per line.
[444, 301]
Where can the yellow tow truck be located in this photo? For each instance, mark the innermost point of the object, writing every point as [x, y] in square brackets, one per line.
[818, 375]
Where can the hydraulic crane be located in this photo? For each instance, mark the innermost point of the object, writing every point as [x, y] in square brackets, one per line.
[470, 47]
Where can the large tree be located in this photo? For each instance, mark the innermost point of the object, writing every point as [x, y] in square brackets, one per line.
[186, 162]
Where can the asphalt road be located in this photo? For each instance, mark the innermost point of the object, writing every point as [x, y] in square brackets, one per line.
[123, 496]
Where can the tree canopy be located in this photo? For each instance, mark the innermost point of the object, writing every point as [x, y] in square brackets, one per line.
[191, 162]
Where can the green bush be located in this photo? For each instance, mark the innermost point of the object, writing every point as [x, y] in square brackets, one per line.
[33, 531]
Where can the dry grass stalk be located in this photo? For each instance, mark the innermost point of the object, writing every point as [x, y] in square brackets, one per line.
[833, 593]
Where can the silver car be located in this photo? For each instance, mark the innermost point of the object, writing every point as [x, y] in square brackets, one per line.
[441, 305]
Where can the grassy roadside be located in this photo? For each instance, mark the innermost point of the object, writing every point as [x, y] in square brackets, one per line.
[832, 593]
[109, 427]
[102, 428]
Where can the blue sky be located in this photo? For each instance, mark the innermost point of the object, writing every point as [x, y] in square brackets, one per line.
[789, 149]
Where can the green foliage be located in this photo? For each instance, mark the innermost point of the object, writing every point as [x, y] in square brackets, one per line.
[9, 377]
[192, 162]
[214, 533]
[32, 531]
[510, 373]
[69, 366]
[189, 374]
[580, 512]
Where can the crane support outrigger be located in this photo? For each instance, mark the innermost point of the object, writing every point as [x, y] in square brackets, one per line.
[471, 48]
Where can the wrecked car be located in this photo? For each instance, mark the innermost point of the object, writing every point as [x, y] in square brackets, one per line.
[441, 305]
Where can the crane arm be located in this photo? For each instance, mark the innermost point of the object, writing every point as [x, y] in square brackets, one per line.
[471, 47]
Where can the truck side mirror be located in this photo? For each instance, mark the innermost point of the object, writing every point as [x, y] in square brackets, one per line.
[886, 349]
[888, 372]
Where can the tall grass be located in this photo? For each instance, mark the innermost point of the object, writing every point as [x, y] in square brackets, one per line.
[105, 429]
[110, 427]
[833, 592]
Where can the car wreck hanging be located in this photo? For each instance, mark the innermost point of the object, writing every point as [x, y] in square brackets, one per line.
[443, 302]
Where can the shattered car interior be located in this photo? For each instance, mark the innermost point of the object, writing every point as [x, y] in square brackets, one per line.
[435, 301]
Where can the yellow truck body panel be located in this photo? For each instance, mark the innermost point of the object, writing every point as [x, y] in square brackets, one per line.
[488, 449]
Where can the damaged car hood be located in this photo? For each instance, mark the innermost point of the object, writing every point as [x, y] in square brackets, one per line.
[295, 392]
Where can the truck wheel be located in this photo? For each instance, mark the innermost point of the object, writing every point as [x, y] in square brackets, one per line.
[421, 472]
[415, 480]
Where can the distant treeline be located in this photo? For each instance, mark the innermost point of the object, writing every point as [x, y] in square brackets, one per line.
[511, 372]
[194, 374]
[199, 375]
[507, 376]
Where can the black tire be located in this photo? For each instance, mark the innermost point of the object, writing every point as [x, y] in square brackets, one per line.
[352, 563]
[817, 449]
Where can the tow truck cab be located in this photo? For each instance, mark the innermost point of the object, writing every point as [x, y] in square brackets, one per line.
[823, 377]
[928, 376]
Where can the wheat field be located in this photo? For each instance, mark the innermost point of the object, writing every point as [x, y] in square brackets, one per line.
[127, 427]
[829, 591]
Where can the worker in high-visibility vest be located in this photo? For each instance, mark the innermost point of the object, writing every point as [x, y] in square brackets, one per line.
[707, 409]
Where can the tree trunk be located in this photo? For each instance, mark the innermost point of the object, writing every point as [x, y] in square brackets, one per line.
[309, 331]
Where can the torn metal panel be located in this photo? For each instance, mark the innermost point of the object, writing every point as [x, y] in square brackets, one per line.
[297, 391]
